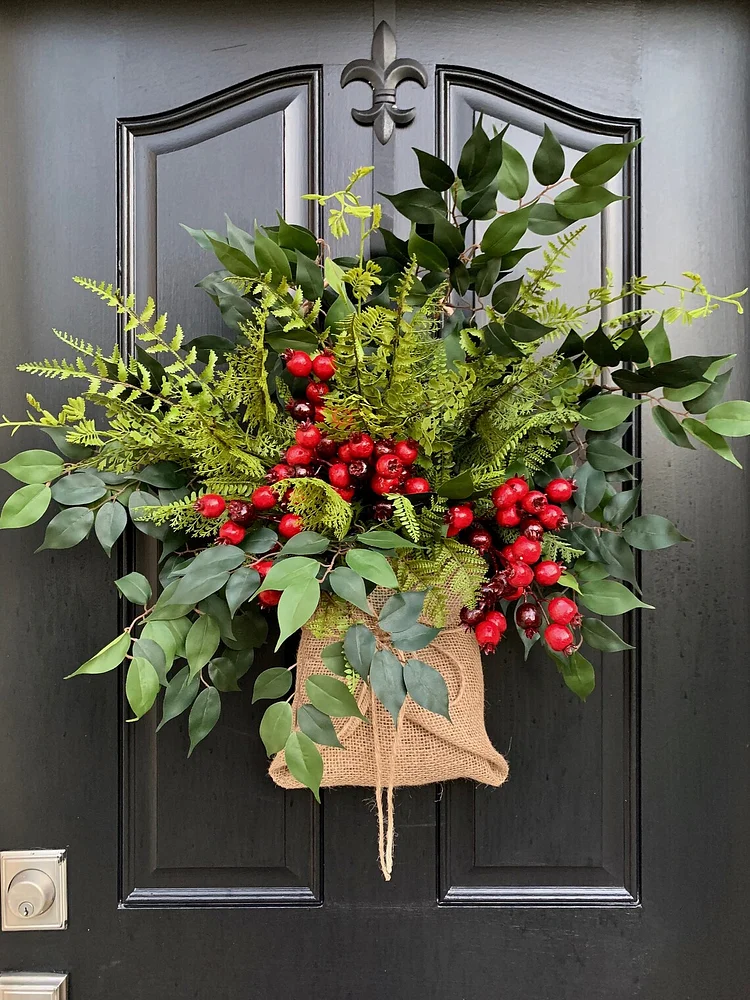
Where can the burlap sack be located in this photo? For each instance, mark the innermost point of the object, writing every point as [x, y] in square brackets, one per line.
[425, 748]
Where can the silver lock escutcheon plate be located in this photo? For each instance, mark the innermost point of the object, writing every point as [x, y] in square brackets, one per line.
[33, 891]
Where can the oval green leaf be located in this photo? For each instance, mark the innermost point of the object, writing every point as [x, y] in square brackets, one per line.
[203, 716]
[304, 761]
[134, 588]
[36, 466]
[272, 683]
[331, 696]
[25, 506]
[141, 686]
[275, 726]
[106, 659]
[427, 687]
[607, 597]
[317, 726]
[68, 528]
[373, 566]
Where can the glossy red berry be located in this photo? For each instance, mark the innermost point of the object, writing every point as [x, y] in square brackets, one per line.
[338, 474]
[345, 492]
[279, 472]
[290, 525]
[263, 567]
[503, 496]
[532, 529]
[298, 363]
[534, 502]
[298, 454]
[231, 533]
[512, 593]
[308, 434]
[315, 391]
[327, 447]
[386, 446]
[480, 539]
[269, 598]
[547, 573]
[471, 617]
[528, 617]
[263, 498]
[497, 618]
[508, 554]
[382, 510]
[560, 490]
[359, 469]
[210, 505]
[361, 444]
[520, 575]
[559, 638]
[383, 484]
[563, 611]
[507, 517]
[241, 512]
[303, 471]
[345, 452]
[300, 409]
[519, 486]
[527, 550]
[320, 414]
[389, 465]
[488, 636]
[552, 517]
[407, 451]
[415, 484]
[324, 367]
[459, 517]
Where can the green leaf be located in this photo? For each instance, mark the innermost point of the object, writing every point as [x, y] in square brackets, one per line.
[25, 506]
[150, 650]
[294, 237]
[250, 630]
[136, 500]
[505, 294]
[317, 726]
[163, 475]
[711, 396]
[271, 257]
[296, 607]
[387, 682]
[225, 671]
[350, 587]
[334, 275]
[203, 716]
[78, 488]
[287, 572]
[503, 234]
[618, 557]
[332, 656]
[179, 695]
[141, 686]
[239, 237]
[600, 636]
[169, 637]
[602, 163]
[34, 466]
[75, 452]
[165, 609]
[633, 349]
[434, 172]
[359, 648]
[417, 204]
[448, 237]
[331, 696]
[306, 543]
[207, 573]
[600, 348]
[414, 638]
[240, 587]
[134, 588]
[524, 329]
[584, 202]
[378, 539]
[275, 726]
[498, 341]
[607, 597]
[427, 687]
[428, 254]
[68, 528]
[670, 427]
[708, 437]
[607, 410]
[402, 611]
[106, 659]
[111, 520]
[671, 374]
[730, 419]
[549, 160]
[232, 258]
[259, 542]
[608, 456]
[272, 683]
[480, 159]
[304, 761]
[657, 342]
[591, 485]
[309, 277]
[373, 566]
[201, 642]
[513, 179]
[622, 505]
[578, 674]
[545, 220]
[459, 487]
[652, 532]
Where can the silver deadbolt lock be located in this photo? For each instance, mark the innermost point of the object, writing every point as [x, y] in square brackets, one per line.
[33, 890]
[31, 893]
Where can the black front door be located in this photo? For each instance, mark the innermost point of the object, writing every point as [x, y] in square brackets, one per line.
[612, 865]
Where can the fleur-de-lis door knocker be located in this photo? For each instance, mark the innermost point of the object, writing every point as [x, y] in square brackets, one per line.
[384, 72]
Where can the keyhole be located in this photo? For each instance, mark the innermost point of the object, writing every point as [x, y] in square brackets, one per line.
[26, 909]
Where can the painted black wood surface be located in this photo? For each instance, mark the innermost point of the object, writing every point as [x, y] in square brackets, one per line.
[613, 863]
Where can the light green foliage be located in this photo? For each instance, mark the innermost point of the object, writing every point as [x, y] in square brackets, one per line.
[447, 570]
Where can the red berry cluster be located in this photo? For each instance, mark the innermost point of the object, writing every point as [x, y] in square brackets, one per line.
[242, 512]
[301, 365]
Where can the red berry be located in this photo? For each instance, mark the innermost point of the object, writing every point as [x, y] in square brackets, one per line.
[415, 484]
[298, 363]
[386, 446]
[559, 638]
[471, 617]
[507, 517]
[504, 496]
[563, 611]
[338, 474]
[327, 447]
[382, 510]
[519, 486]
[389, 465]
[303, 472]
[231, 533]
[480, 539]
[361, 444]
[560, 490]
[300, 409]
[279, 472]
[520, 575]
[210, 505]
[298, 454]
[263, 498]
[459, 517]
[497, 618]
[269, 598]
[534, 502]
[320, 414]
[324, 367]
[290, 525]
[315, 391]
[512, 593]
[508, 554]
[527, 550]
[345, 452]
[359, 469]
[548, 573]
[533, 529]
[383, 484]
[488, 636]
[308, 434]
[263, 567]
[345, 492]
[528, 617]
[552, 517]
[407, 451]
[241, 512]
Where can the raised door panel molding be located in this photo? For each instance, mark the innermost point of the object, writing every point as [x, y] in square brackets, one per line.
[564, 829]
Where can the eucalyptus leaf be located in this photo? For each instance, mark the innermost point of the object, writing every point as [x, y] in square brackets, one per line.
[350, 587]
[110, 522]
[427, 687]
[68, 528]
[201, 642]
[240, 587]
[296, 607]
[387, 682]
[287, 572]
[332, 656]
[359, 648]
[402, 611]
[414, 638]
[317, 726]
[78, 488]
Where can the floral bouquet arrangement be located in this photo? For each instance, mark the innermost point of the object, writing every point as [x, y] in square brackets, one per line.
[410, 455]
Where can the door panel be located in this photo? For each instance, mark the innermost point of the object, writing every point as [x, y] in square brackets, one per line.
[611, 865]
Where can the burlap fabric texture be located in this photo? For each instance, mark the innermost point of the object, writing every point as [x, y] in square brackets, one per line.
[425, 748]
